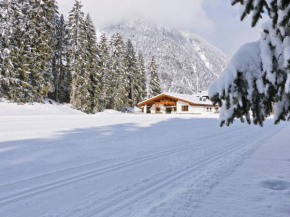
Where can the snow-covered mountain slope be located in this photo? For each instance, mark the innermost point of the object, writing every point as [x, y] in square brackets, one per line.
[187, 63]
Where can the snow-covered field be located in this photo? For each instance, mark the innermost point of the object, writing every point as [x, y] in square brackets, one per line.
[55, 161]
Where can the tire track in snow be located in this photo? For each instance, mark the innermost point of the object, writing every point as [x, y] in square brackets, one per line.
[6, 200]
[121, 203]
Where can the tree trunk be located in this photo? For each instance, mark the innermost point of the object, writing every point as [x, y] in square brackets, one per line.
[132, 94]
[73, 93]
[57, 84]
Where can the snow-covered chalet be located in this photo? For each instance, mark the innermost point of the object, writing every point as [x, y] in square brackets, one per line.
[174, 103]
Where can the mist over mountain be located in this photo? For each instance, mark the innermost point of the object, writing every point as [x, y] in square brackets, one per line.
[187, 63]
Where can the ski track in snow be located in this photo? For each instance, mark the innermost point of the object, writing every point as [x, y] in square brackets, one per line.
[121, 203]
[201, 142]
[51, 186]
[121, 165]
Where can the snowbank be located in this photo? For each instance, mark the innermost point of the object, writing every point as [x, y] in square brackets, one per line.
[50, 107]
[110, 112]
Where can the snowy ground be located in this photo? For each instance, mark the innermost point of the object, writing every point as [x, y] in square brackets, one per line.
[57, 162]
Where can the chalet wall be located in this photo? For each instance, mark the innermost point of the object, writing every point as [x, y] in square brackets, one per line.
[179, 105]
[193, 109]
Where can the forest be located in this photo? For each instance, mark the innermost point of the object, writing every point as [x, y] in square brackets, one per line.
[45, 55]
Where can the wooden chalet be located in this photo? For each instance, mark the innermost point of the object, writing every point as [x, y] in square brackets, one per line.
[170, 103]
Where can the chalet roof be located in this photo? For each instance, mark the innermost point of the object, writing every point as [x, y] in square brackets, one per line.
[191, 99]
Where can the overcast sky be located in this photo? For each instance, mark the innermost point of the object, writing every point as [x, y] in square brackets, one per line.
[215, 20]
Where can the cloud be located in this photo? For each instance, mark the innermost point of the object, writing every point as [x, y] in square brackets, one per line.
[215, 20]
[173, 13]
[229, 32]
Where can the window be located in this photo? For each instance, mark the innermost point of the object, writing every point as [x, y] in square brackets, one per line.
[184, 108]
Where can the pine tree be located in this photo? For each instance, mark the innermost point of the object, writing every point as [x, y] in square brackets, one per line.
[80, 96]
[133, 72]
[264, 85]
[22, 57]
[41, 16]
[61, 76]
[154, 84]
[8, 14]
[92, 65]
[142, 80]
[118, 76]
[104, 72]
[16, 51]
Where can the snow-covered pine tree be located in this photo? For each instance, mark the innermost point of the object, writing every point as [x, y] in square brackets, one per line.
[104, 72]
[142, 80]
[15, 51]
[80, 96]
[118, 75]
[258, 76]
[154, 84]
[92, 65]
[40, 24]
[61, 76]
[8, 12]
[133, 72]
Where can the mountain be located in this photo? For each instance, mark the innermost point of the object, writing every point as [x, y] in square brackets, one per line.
[187, 63]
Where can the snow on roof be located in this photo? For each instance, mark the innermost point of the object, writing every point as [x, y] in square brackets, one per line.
[198, 98]
[195, 98]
